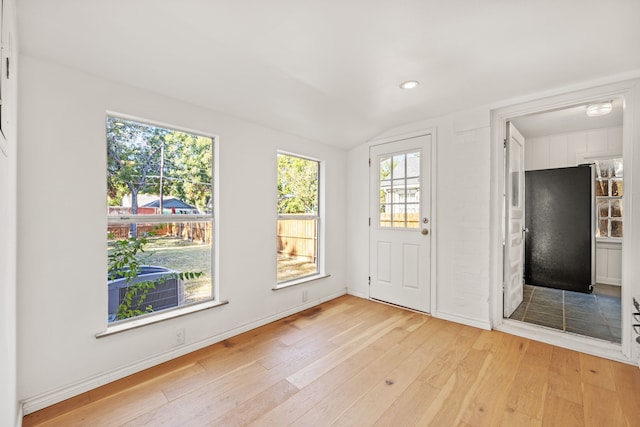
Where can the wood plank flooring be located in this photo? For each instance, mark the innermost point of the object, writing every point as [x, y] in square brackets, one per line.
[354, 362]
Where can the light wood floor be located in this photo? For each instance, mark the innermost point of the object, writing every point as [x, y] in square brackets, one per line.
[353, 362]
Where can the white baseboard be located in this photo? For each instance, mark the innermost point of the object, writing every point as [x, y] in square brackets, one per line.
[464, 320]
[57, 395]
[20, 414]
[357, 294]
[609, 281]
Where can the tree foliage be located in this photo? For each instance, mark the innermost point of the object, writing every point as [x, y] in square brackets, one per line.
[297, 185]
[139, 154]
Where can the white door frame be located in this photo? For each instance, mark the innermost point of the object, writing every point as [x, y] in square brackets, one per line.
[629, 91]
[433, 229]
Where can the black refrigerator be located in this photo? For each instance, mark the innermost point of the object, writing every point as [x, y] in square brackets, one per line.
[560, 228]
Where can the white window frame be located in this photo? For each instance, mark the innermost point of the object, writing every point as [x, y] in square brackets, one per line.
[320, 267]
[165, 314]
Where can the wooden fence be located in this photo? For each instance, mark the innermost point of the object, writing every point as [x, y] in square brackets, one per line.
[413, 219]
[298, 238]
[196, 231]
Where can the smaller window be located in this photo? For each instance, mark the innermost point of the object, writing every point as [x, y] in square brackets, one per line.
[298, 217]
[609, 194]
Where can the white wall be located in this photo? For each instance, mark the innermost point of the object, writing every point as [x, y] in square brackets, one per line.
[62, 298]
[461, 225]
[9, 409]
[571, 149]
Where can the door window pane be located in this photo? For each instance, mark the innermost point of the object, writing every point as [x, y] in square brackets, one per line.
[399, 190]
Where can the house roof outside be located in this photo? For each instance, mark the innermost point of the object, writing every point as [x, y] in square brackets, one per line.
[153, 201]
[168, 203]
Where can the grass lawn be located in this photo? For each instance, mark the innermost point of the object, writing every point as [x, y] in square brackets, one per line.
[187, 256]
[184, 256]
[291, 268]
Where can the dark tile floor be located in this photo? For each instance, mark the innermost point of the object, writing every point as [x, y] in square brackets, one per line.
[596, 315]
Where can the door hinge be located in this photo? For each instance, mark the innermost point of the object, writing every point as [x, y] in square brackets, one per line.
[369, 161]
[504, 143]
[369, 280]
[369, 221]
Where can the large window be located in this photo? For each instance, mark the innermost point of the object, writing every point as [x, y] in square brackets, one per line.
[159, 216]
[298, 217]
[609, 193]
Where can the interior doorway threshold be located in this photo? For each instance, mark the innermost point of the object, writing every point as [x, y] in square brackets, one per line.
[568, 340]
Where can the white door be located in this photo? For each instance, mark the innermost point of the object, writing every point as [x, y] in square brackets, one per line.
[514, 220]
[400, 240]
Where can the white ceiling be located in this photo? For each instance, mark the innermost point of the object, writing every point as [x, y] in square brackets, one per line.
[567, 120]
[329, 70]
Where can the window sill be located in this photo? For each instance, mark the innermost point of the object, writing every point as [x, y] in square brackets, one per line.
[159, 317]
[300, 281]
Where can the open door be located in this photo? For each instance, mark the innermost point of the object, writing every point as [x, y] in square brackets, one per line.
[514, 220]
[399, 232]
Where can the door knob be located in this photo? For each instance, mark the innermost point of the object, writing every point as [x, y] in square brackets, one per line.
[425, 231]
[425, 220]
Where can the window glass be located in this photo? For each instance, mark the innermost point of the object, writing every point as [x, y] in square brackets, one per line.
[609, 195]
[298, 217]
[159, 218]
[400, 190]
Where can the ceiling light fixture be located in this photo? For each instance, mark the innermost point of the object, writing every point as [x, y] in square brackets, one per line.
[599, 109]
[409, 84]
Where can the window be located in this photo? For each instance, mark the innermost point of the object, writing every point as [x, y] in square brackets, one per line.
[609, 193]
[159, 218]
[400, 190]
[298, 217]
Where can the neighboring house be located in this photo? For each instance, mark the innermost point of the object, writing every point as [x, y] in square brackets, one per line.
[170, 205]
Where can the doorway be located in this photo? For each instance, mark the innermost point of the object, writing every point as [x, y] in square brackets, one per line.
[401, 222]
[573, 195]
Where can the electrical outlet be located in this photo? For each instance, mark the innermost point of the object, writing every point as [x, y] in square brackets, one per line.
[305, 296]
[180, 337]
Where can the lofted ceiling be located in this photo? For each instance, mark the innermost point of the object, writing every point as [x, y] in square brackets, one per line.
[330, 70]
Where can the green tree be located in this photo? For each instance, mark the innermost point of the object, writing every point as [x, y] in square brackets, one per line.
[149, 159]
[133, 151]
[297, 185]
[188, 170]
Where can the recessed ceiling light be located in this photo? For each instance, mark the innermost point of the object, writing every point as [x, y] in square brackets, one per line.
[599, 109]
[409, 84]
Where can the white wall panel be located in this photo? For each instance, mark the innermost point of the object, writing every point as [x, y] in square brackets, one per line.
[576, 145]
[569, 149]
[597, 141]
[9, 405]
[358, 220]
[558, 157]
[614, 139]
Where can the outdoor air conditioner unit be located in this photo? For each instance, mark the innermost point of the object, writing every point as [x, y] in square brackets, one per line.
[168, 292]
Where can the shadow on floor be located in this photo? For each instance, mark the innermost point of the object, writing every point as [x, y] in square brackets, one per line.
[596, 315]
